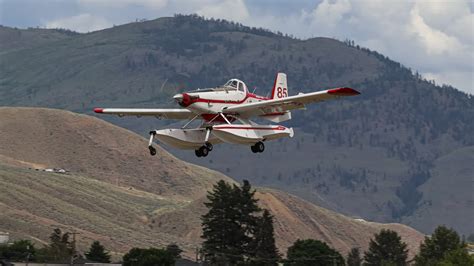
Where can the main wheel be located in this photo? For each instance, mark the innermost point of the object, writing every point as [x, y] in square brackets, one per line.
[204, 151]
[259, 146]
[254, 149]
[198, 152]
[152, 150]
[209, 146]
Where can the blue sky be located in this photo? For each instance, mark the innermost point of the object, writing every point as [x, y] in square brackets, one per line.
[431, 36]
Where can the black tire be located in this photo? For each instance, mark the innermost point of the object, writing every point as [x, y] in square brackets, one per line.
[209, 146]
[254, 148]
[198, 153]
[152, 150]
[260, 147]
[204, 151]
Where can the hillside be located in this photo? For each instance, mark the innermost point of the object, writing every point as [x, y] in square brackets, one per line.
[372, 156]
[137, 210]
[90, 147]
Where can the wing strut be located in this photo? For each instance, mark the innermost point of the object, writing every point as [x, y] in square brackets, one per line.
[190, 121]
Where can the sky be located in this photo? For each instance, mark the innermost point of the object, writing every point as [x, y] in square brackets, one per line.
[433, 37]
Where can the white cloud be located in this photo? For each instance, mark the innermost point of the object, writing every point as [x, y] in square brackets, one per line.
[80, 23]
[234, 10]
[433, 37]
[329, 13]
[435, 41]
[458, 79]
[155, 4]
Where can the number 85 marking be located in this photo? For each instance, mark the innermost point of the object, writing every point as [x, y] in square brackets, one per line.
[282, 93]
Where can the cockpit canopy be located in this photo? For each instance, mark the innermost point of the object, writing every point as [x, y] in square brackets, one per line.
[235, 84]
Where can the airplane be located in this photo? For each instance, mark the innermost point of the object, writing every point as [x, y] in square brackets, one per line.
[226, 112]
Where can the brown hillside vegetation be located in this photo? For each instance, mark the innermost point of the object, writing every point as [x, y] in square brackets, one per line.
[156, 201]
[90, 147]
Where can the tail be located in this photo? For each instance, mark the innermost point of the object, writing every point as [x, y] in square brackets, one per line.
[280, 88]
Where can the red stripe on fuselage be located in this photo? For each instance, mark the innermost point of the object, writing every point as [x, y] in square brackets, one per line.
[248, 95]
[256, 128]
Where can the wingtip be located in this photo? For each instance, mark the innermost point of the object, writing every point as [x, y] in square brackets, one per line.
[98, 110]
[344, 92]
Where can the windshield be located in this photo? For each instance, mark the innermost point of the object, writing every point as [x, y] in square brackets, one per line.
[232, 84]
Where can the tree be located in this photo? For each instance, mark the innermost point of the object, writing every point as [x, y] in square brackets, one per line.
[230, 223]
[60, 248]
[311, 252]
[266, 252]
[455, 257]
[353, 258]
[221, 230]
[386, 249]
[247, 205]
[434, 248]
[97, 253]
[146, 257]
[20, 250]
[174, 250]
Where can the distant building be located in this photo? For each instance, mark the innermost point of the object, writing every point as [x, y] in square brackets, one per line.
[4, 237]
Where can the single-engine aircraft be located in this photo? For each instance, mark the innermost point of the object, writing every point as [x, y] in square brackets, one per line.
[225, 112]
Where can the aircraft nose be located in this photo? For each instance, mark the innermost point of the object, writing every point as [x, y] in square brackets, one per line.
[178, 97]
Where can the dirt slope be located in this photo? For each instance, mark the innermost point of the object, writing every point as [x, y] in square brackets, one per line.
[116, 193]
[84, 145]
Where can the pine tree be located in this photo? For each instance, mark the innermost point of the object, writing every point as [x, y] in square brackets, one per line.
[229, 226]
[248, 220]
[435, 247]
[266, 252]
[222, 233]
[147, 257]
[353, 258]
[311, 252]
[386, 249]
[97, 253]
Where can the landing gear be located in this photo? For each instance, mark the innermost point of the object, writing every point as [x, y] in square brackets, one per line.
[203, 151]
[258, 147]
[150, 143]
[209, 146]
[152, 150]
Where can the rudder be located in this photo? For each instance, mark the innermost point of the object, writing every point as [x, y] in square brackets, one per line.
[280, 87]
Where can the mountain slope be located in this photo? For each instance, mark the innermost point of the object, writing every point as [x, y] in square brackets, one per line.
[148, 209]
[366, 156]
[89, 146]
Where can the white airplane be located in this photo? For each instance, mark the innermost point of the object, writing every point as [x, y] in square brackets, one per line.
[225, 112]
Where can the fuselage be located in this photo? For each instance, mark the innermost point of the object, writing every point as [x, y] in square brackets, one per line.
[209, 102]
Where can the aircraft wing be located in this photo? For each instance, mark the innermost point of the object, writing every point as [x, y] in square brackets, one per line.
[281, 105]
[159, 113]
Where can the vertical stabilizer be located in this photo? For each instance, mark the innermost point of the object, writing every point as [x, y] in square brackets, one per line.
[280, 88]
